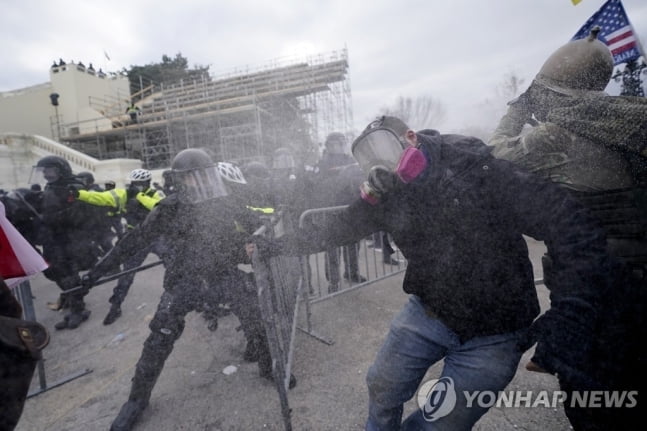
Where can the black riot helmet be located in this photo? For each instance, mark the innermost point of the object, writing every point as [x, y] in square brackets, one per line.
[283, 159]
[50, 169]
[196, 177]
[87, 177]
[256, 170]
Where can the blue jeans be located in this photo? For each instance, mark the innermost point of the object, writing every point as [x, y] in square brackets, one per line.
[415, 342]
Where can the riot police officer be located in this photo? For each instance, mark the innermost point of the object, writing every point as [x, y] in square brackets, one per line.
[66, 246]
[134, 203]
[207, 230]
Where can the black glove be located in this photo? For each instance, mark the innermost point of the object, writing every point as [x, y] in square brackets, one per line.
[88, 280]
[132, 191]
[73, 193]
[265, 247]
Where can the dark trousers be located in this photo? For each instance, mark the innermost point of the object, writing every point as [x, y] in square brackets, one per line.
[350, 254]
[16, 371]
[168, 324]
[120, 291]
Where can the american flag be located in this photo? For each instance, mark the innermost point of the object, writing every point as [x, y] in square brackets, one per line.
[616, 31]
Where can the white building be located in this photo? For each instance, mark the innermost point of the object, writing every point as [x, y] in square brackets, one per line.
[30, 125]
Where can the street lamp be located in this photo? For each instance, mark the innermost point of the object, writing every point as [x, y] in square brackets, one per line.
[54, 99]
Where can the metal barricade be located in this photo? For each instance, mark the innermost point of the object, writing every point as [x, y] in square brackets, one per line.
[283, 281]
[24, 295]
[279, 284]
[320, 275]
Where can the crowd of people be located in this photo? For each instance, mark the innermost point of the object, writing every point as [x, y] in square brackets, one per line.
[576, 181]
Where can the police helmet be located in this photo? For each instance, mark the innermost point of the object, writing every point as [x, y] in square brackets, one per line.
[196, 177]
[87, 177]
[60, 163]
[282, 159]
[50, 169]
[256, 170]
[336, 143]
[231, 172]
[140, 175]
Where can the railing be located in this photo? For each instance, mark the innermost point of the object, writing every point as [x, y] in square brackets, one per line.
[42, 146]
[364, 263]
[279, 284]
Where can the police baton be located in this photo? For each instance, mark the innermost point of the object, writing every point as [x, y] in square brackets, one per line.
[111, 278]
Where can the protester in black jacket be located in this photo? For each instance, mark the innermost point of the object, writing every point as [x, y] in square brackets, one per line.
[458, 216]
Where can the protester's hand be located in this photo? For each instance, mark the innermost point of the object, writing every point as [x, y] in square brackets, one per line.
[547, 138]
[531, 366]
[249, 249]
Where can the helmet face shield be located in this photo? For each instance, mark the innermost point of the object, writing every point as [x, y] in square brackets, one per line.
[197, 185]
[44, 174]
[378, 147]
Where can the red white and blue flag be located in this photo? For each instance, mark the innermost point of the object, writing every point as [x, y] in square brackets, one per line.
[616, 31]
[18, 259]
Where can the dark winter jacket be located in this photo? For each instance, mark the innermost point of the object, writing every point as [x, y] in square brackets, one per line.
[63, 231]
[460, 226]
[207, 240]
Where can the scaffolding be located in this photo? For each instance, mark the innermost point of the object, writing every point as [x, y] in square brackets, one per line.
[239, 116]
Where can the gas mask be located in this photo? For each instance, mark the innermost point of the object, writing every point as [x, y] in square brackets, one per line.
[387, 160]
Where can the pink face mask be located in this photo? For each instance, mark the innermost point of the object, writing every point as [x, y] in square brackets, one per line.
[411, 164]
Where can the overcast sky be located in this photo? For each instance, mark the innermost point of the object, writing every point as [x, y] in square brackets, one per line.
[456, 51]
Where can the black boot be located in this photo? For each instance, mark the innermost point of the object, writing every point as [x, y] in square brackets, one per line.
[63, 323]
[75, 318]
[251, 351]
[128, 415]
[113, 314]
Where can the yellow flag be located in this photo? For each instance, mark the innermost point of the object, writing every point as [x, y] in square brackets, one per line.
[575, 1]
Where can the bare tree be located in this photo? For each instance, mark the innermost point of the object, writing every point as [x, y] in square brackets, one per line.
[419, 113]
[510, 86]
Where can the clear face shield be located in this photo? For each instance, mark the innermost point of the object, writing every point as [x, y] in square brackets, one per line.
[44, 175]
[378, 147]
[198, 185]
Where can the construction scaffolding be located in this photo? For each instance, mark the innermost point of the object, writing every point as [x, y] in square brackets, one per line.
[238, 116]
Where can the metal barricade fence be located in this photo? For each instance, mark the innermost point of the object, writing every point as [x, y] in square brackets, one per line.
[279, 284]
[362, 264]
[24, 295]
[283, 281]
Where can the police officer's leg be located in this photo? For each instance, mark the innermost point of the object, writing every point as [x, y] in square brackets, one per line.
[240, 292]
[66, 278]
[166, 327]
[123, 285]
[54, 254]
